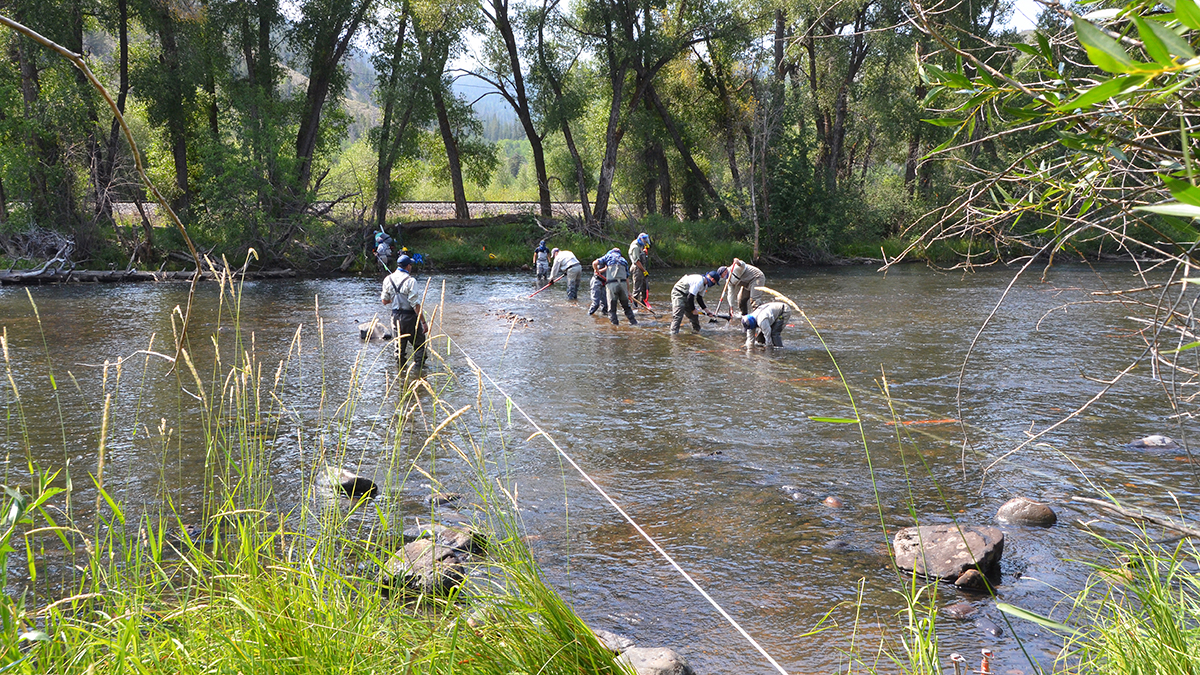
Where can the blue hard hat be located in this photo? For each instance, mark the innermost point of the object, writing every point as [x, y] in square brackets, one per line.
[403, 261]
[750, 322]
[643, 238]
[713, 277]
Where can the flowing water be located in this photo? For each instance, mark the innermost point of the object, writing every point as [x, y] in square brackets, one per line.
[694, 436]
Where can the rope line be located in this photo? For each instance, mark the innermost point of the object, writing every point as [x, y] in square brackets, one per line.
[666, 556]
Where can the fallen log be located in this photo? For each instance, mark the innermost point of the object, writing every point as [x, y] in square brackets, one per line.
[504, 219]
[15, 278]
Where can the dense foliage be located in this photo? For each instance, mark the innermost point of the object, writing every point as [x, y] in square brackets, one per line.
[294, 127]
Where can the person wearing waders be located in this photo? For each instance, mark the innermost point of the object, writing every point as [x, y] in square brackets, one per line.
[768, 319]
[566, 263]
[686, 294]
[599, 294]
[639, 251]
[400, 293]
[744, 287]
[541, 263]
[616, 272]
[383, 249]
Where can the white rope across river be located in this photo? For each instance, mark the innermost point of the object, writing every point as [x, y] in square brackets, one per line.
[666, 556]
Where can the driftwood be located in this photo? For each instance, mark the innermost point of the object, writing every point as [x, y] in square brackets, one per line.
[1141, 514]
[505, 219]
[97, 276]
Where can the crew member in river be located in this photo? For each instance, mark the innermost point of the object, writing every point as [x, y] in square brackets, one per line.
[400, 293]
[639, 252]
[744, 292]
[616, 272]
[599, 294]
[686, 294]
[541, 262]
[383, 248]
[566, 263]
[768, 319]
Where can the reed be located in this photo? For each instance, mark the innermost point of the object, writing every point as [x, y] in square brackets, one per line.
[264, 584]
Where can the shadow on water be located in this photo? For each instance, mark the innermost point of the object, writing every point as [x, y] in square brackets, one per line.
[709, 447]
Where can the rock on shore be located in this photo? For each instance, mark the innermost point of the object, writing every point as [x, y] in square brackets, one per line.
[655, 661]
[422, 567]
[941, 551]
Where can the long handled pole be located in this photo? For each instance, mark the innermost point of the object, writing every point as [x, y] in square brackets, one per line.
[643, 304]
[726, 288]
[546, 286]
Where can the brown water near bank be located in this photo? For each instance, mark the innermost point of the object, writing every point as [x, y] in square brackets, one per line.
[691, 434]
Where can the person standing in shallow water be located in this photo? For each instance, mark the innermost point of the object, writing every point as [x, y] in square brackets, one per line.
[599, 294]
[541, 263]
[616, 271]
[400, 294]
[686, 294]
[639, 253]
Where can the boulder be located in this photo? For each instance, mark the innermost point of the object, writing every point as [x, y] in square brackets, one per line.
[422, 567]
[346, 484]
[1025, 511]
[655, 661]
[461, 538]
[943, 552]
[615, 643]
[1155, 442]
[832, 502]
[988, 626]
[374, 330]
[972, 580]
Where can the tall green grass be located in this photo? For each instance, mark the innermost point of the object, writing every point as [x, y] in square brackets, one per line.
[255, 589]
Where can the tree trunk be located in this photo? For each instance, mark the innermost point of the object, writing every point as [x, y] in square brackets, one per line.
[452, 156]
[664, 183]
[391, 133]
[108, 165]
[612, 139]
[686, 152]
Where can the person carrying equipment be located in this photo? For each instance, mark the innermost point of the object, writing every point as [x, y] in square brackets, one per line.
[383, 249]
[566, 263]
[541, 262]
[686, 294]
[616, 272]
[639, 252]
[400, 294]
[744, 282]
[768, 319]
[599, 294]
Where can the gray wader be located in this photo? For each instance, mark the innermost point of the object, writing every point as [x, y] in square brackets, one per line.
[618, 292]
[409, 331]
[573, 281]
[599, 297]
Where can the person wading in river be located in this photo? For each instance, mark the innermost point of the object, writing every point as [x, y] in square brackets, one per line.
[769, 319]
[566, 263]
[639, 251]
[599, 294]
[686, 294]
[616, 271]
[541, 263]
[400, 293]
[744, 292]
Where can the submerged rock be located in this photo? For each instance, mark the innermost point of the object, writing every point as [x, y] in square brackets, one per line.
[1156, 442]
[374, 331]
[1025, 511]
[439, 498]
[958, 611]
[988, 626]
[618, 644]
[422, 567]
[941, 551]
[971, 580]
[832, 502]
[655, 661]
[346, 483]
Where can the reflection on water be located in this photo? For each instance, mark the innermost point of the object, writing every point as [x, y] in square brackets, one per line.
[694, 436]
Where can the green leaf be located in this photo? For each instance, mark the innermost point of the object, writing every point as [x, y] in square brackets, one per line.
[1183, 191]
[1153, 45]
[1104, 52]
[943, 122]
[1103, 92]
[1187, 13]
[1040, 620]
[1190, 345]
[1044, 45]
[1172, 209]
[834, 420]
[1022, 47]
[1175, 44]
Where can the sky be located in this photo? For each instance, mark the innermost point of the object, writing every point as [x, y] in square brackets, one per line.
[1025, 15]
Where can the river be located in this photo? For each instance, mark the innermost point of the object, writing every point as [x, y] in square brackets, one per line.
[694, 436]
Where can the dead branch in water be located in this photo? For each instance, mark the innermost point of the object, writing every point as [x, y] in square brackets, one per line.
[1142, 514]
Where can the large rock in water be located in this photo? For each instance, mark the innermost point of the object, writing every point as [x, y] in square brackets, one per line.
[655, 661]
[1025, 511]
[346, 483]
[422, 567]
[941, 551]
